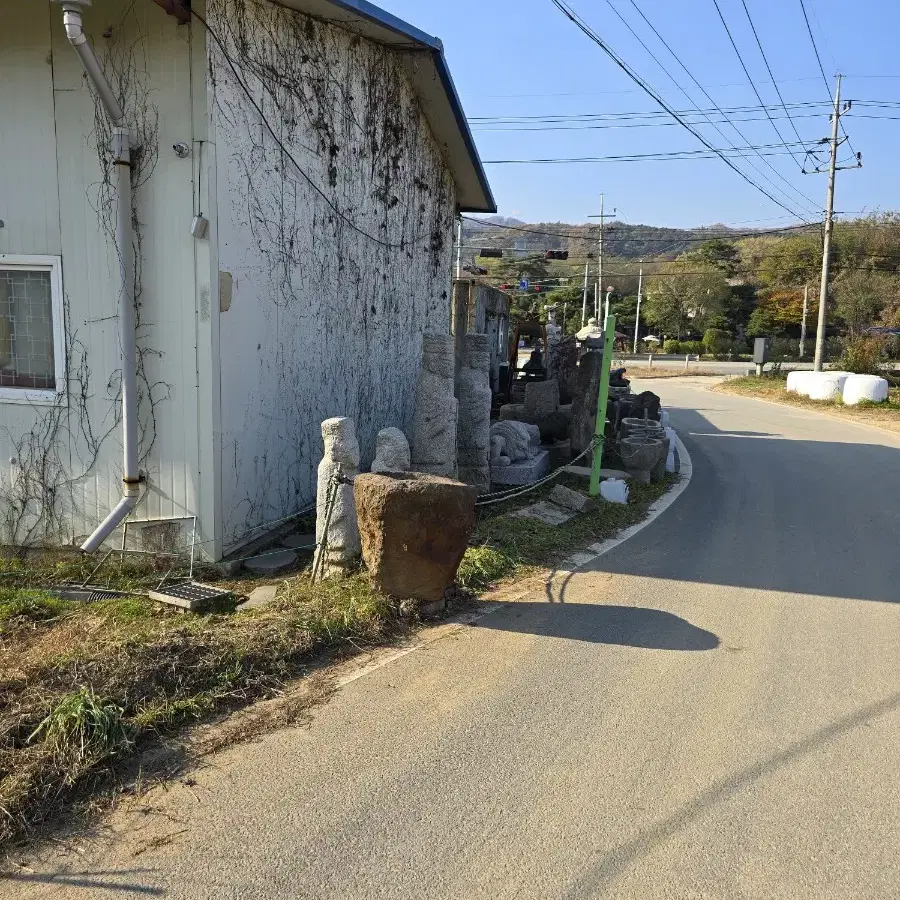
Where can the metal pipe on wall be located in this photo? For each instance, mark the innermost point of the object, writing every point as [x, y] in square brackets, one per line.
[120, 146]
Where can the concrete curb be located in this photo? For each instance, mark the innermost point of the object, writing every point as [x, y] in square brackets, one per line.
[357, 669]
[578, 560]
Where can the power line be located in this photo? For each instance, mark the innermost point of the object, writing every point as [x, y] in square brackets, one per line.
[706, 94]
[769, 68]
[501, 127]
[663, 156]
[749, 76]
[659, 114]
[804, 199]
[822, 68]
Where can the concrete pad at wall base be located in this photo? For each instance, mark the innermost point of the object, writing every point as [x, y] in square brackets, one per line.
[271, 563]
[526, 472]
[259, 597]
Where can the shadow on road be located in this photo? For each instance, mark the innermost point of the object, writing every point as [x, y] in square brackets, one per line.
[94, 881]
[768, 512]
[626, 626]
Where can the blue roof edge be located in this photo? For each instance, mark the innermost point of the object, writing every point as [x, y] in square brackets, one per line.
[382, 17]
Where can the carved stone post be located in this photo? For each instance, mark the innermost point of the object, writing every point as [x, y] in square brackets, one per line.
[473, 389]
[342, 548]
[434, 425]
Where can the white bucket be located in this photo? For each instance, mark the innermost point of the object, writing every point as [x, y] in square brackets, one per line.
[615, 490]
[865, 387]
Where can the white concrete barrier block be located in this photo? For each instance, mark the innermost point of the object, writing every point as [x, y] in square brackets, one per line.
[865, 387]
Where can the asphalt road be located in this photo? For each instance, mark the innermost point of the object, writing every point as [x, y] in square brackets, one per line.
[711, 710]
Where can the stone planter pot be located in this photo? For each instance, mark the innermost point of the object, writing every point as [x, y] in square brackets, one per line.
[630, 424]
[640, 454]
[648, 431]
[414, 530]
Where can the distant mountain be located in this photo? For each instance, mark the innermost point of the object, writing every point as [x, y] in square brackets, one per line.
[620, 238]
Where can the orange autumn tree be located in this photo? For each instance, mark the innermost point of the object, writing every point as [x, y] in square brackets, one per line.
[777, 311]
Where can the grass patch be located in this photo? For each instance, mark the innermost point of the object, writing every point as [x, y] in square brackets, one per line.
[85, 686]
[506, 546]
[18, 607]
[772, 387]
[82, 685]
[644, 372]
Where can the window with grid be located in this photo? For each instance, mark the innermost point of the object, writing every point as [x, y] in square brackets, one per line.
[30, 327]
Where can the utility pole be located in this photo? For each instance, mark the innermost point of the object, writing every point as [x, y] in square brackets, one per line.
[637, 315]
[459, 246]
[599, 292]
[833, 167]
[600, 262]
[803, 323]
[585, 297]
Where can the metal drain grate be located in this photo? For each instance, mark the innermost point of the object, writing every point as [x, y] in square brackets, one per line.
[189, 595]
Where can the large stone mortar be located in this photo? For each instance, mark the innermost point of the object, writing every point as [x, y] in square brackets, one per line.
[640, 453]
[414, 530]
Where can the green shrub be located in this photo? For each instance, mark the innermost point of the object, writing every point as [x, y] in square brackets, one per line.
[716, 340]
[695, 347]
[671, 346]
[863, 355]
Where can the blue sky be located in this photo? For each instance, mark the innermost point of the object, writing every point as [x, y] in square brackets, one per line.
[523, 58]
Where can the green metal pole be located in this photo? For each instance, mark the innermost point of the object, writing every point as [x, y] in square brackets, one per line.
[609, 330]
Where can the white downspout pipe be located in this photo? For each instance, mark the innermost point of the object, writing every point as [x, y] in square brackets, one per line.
[122, 161]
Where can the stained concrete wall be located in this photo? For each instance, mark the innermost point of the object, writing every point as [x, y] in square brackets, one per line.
[335, 220]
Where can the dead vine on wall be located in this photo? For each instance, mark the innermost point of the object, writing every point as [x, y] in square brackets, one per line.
[66, 440]
[349, 213]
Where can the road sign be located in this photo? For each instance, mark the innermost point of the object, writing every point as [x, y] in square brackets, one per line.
[523, 284]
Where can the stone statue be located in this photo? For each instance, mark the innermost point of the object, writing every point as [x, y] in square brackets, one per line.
[591, 336]
[437, 409]
[391, 452]
[339, 548]
[473, 389]
[512, 442]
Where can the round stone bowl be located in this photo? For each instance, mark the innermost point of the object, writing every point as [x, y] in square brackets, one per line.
[640, 452]
[631, 423]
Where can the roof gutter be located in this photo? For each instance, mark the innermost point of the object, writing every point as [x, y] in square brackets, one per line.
[121, 153]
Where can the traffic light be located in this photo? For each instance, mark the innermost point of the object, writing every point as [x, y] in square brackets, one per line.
[557, 254]
[490, 253]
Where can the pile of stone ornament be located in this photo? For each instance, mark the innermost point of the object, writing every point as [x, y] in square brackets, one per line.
[411, 517]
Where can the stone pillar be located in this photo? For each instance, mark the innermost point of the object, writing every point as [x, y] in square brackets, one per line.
[473, 388]
[434, 424]
[341, 458]
[462, 289]
[584, 401]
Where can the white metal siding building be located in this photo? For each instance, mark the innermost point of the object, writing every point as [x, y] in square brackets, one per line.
[325, 145]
